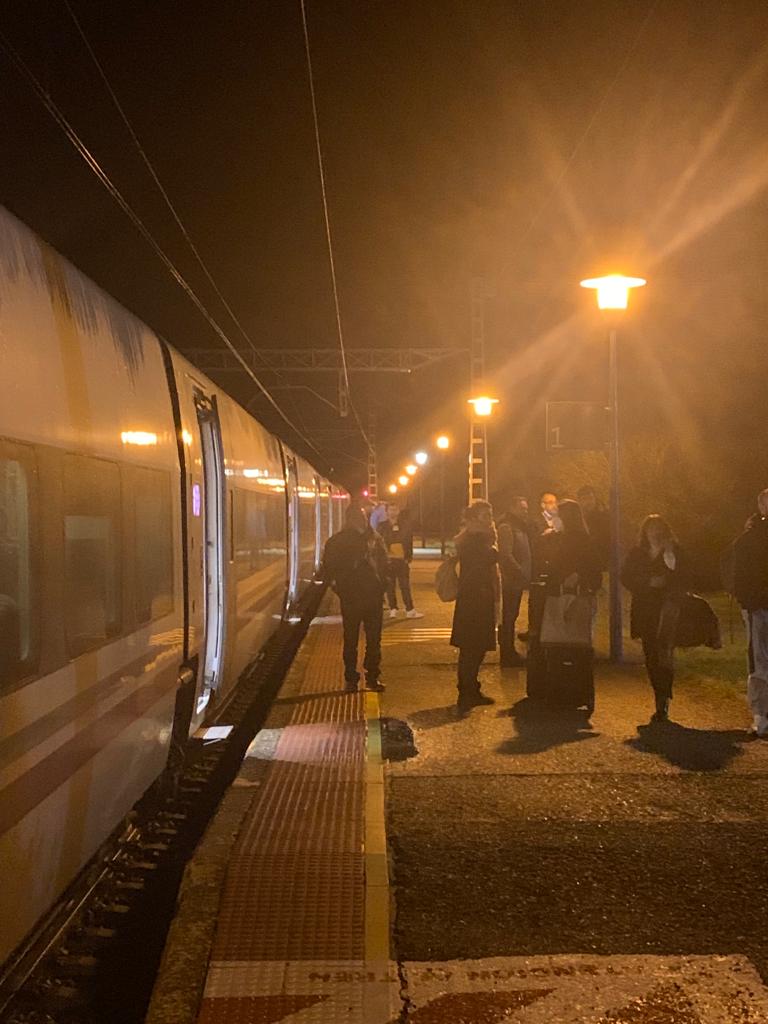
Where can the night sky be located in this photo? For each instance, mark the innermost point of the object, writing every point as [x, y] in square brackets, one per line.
[533, 143]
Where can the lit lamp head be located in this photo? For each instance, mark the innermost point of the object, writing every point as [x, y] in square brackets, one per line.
[403, 480]
[443, 443]
[410, 469]
[420, 458]
[483, 405]
[392, 488]
[613, 290]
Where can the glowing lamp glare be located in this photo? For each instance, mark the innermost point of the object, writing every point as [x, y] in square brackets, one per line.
[420, 458]
[483, 405]
[392, 488]
[140, 437]
[613, 290]
[403, 480]
[410, 469]
[443, 442]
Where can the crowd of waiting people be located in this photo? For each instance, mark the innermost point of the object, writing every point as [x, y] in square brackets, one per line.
[559, 554]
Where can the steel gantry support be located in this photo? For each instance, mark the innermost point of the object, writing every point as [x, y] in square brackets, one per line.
[478, 434]
[313, 360]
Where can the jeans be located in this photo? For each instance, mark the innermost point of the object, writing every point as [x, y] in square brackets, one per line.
[353, 616]
[399, 572]
[757, 655]
[660, 666]
[510, 609]
[470, 660]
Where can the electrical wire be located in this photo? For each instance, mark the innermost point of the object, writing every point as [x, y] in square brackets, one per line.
[167, 199]
[326, 216]
[113, 190]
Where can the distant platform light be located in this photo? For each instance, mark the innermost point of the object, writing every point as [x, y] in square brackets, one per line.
[410, 469]
[483, 405]
[403, 480]
[139, 437]
[392, 488]
[421, 458]
[443, 442]
[613, 290]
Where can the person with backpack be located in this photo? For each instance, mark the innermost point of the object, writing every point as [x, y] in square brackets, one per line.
[355, 564]
[474, 617]
[750, 588]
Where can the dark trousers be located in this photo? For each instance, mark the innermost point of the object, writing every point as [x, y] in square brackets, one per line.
[353, 616]
[399, 572]
[659, 665]
[510, 609]
[470, 660]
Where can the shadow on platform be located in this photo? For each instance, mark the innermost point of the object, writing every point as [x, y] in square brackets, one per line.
[699, 750]
[540, 728]
[433, 718]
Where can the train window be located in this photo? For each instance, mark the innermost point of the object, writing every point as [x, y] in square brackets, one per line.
[259, 531]
[92, 542]
[16, 568]
[153, 538]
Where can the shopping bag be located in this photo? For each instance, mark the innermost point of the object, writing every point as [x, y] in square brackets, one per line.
[567, 620]
[447, 580]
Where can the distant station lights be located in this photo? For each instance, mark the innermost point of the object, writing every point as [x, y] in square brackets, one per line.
[410, 469]
[613, 290]
[443, 443]
[421, 458]
[403, 480]
[392, 488]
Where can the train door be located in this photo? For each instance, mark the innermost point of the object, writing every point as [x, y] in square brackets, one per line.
[294, 537]
[212, 502]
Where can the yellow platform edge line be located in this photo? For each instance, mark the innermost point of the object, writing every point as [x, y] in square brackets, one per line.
[377, 894]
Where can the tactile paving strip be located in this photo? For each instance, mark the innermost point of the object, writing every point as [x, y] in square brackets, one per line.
[295, 888]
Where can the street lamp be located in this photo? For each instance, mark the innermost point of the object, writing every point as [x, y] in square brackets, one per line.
[613, 294]
[392, 488]
[482, 407]
[421, 458]
[443, 443]
[411, 469]
[403, 480]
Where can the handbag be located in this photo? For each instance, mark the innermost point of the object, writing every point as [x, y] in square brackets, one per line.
[697, 625]
[567, 621]
[447, 580]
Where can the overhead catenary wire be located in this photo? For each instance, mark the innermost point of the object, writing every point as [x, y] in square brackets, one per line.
[327, 220]
[106, 181]
[161, 188]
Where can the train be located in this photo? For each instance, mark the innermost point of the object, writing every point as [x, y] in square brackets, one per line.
[153, 537]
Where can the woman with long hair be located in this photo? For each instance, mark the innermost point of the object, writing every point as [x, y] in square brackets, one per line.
[474, 617]
[655, 572]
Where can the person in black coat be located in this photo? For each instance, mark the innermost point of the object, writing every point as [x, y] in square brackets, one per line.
[655, 571]
[474, 617]
[355, 564]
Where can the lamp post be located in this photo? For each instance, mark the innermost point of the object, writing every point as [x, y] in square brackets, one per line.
[421, 459]
[613, 294]
[443, 443]
[482, 407]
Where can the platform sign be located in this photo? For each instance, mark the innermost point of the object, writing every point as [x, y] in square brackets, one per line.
[577, 426]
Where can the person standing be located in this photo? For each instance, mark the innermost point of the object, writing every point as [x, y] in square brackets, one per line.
[378, 514]
[598, 523]
[655, 572]
[474, 617]
[355, 564]
[397, 535]
[750, 588]
[515, 562]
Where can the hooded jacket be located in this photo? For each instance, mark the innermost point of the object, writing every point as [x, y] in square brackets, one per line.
[750, 567]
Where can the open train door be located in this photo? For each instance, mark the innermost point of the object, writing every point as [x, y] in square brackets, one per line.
[212, 502]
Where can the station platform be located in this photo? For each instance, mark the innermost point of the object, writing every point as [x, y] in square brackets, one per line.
[512, 866]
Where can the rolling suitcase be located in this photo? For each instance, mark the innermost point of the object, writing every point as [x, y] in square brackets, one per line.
[559, 676]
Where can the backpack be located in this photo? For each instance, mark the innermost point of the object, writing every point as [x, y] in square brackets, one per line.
[447, 580]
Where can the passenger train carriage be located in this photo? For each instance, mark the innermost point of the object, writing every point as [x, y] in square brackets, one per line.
[152, 537]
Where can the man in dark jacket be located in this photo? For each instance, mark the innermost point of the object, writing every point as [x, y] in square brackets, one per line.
[598, 523]
[750, 587]
[515, 563]
[355, 564]
[397, 534]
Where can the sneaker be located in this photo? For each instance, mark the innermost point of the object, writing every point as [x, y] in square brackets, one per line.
[413, 614]
[393, 613]
[376, 685]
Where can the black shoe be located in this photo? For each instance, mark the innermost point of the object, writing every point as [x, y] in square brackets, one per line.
[374, 684]
[481, 699]
[659, 716]
[513, 661]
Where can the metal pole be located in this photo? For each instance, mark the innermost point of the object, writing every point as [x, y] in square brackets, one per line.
[421, 513]
[614, 607]
[442, 505]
